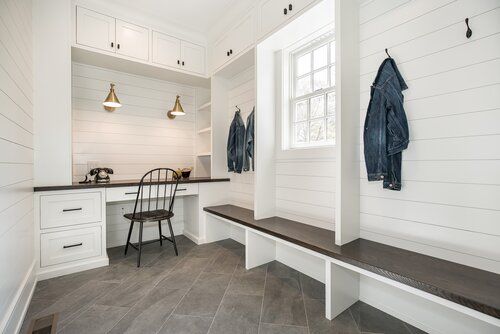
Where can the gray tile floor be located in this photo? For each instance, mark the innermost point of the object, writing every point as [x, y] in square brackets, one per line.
[206, 289]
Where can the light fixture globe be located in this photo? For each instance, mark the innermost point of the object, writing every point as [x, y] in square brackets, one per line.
[177, 110]
[111, 102]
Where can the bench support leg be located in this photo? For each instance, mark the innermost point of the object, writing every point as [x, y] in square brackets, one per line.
[259, 250]
[342, 289]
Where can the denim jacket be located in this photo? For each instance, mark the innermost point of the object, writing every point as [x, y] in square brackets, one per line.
[386, 132]
[236, 144]
[249, 142]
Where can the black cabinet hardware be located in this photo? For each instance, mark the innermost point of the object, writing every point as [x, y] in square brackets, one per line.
[290, 7]
[75, 209]
[230, 51]
[227, 53]
[285, 11]
[112, 44]
[118, 46]
[183, 189]
[131, 193]
[178, 62]
[182, 63]
[74, 245]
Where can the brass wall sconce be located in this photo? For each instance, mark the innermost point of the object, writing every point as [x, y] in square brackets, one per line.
[177, 110]
[111, 102]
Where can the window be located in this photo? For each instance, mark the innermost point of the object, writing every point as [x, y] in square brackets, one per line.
[312, 95]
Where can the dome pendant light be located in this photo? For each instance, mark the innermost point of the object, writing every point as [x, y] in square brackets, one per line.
[177, 111]
[111, 102]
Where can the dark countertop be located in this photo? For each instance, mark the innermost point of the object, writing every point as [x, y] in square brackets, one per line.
[471, 287]
[123, 183]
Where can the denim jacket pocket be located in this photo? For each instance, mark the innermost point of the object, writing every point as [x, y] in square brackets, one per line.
[398, 140]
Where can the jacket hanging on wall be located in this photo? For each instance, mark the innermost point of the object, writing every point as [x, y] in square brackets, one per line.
[386, 132]
[249, 142]
[236, 144]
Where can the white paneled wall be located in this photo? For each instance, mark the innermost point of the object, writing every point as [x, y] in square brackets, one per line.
[16, 161]
[449, 205]
[242, 94]
[136, 137]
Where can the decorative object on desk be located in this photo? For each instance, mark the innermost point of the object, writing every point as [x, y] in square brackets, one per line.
[87, 179]
[177, 111]
[111, 102]
[185, 172]
[101, 174]
[177, 174]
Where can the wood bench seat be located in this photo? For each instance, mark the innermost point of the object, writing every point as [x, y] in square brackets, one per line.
[471, 287]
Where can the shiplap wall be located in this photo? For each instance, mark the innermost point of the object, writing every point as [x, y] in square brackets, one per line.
[133, 139]
[16, 160]
[136, 137]
[449, 206]
[242, 94]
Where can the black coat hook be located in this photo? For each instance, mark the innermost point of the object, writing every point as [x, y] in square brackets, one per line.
[387, 52]
[468, 34]
[238, 109]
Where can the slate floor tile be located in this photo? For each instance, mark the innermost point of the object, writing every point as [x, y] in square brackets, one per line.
[248, 282]
[95, 320]
[343, 324]
[125, 294]
[212, 282]
[36, 306]
[370, 319]
[281, 287]
[278, 269]
[186, 324]
[281, 329]
[202, 304]
[312, 288]
[238, 314]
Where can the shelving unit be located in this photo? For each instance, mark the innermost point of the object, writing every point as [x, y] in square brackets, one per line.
[205, 130]
[204, 154]
[203, 135]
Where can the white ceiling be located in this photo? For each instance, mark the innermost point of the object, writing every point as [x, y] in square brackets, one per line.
[198, 15]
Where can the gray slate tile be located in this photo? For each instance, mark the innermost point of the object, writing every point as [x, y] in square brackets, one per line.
[281, 329]
[202, 304]
[95, 320]
[370, 319]
[312, 288]
[318, 324]
[185, 324]
[238, 314]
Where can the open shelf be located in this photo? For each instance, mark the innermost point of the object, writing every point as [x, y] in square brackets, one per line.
[205, 107]
[205, 130]
[204, 154]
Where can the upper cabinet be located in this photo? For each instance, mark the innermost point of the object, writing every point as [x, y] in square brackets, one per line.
[132, 40]
[234, 42]
[273, 13]
[124, 39]
[95, 30]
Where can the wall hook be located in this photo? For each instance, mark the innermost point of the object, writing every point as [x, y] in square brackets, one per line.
[468, 34]
[238, 109]
[387, 52]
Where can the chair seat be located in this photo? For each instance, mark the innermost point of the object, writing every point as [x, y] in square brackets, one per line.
[149, 216]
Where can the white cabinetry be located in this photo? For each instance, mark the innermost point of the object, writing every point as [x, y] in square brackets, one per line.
[166, 50]
[192, 57]
[132, 40]
[95, 30]
[273, 13]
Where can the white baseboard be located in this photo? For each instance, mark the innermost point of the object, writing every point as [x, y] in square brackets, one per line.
[191, 237]
[13, 319]
[70, 268]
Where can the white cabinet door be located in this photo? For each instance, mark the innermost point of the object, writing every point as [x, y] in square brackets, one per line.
[271, 15]
[166, 50]
[132, 40]
[242, 35]
[220, 52]
[95, 30]
[192, 57]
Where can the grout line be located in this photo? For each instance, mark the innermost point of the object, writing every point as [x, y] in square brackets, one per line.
[304, 302]
[263, 297]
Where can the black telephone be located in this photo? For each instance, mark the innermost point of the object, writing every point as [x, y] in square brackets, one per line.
[101, 174]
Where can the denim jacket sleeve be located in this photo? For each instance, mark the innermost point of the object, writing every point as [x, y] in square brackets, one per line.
[397, 124]
[235, 144]
[249, 142]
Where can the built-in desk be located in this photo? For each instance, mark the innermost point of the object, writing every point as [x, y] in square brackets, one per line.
[70, 220]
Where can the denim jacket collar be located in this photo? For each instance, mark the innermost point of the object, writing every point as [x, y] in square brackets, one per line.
[387, 71]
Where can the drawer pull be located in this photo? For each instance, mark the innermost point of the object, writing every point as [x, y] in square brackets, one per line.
[75, 209]
[74, 245]
[183, 189]
[131, 193]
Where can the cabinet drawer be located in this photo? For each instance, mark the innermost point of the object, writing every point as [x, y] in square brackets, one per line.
[71, 245]
[130, 193]
[70, 209]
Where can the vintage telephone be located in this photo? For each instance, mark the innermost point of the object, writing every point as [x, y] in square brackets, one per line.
[101, 175]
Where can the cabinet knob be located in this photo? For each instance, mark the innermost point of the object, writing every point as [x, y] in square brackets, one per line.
[290, 7]
[182, 63]
[285, 11]
[178, 62]
[118, 46]
[230, 51]
[112, 44]
[227, 53]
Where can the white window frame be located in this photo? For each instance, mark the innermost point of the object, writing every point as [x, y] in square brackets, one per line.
[292, 99]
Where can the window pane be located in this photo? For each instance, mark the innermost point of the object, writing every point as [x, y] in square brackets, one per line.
[330, 129]
[332, 52]
[303, 86]
[320, 79]
[300, 133]
[303, 64]
[317, 130]
[320, 57]
[330, 106]
[300, 111]
[318, 106]
[332, 76]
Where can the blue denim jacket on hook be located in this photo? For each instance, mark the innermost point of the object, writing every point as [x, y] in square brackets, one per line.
[249, 142]
[386, 132]
[236, 144]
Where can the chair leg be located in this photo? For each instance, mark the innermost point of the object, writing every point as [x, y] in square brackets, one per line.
[172, 236]
[129, 234]
[140, 245]
[159, 230]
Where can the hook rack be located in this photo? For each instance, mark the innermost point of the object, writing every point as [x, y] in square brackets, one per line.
[387, 52]
[468, 34]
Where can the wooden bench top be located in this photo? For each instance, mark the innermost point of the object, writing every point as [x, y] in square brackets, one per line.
[471, 287]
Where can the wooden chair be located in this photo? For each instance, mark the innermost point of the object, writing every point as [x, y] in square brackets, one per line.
[151, 206]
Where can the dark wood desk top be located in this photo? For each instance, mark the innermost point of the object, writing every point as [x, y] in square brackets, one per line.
[471, 287]
[123, 183]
